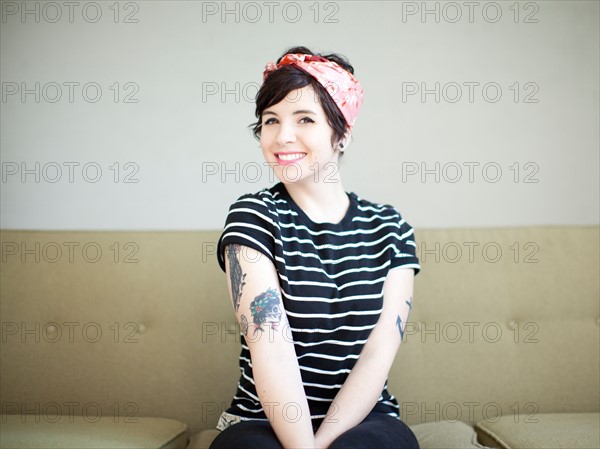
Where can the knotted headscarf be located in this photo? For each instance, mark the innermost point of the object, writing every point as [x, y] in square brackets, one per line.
[341, 85]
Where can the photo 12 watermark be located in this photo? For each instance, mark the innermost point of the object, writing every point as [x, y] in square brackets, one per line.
[469, 92]
[450, 332]
[452, 172]
[473, 252]
[470, 12]
[70, 12]
[270, 12]
[236, 92]
[52, 172]
[68, 411]
[477, 252]
[471, 332]
[223, 92]
[69, 92]
[69, 252]
[522, 412]
[254, 172]
[71, 332]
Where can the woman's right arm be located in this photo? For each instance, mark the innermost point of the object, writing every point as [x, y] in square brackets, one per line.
[254, 289]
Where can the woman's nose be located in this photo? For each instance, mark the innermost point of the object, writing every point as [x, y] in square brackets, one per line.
[286, 134]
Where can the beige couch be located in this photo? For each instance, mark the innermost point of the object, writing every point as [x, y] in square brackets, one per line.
[127, 339]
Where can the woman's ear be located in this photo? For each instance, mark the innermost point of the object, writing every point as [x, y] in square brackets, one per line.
[345, 141]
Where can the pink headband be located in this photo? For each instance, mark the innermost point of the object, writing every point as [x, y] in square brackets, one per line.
[341, 85]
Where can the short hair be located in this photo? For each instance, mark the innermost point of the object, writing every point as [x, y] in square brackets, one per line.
[282, 81]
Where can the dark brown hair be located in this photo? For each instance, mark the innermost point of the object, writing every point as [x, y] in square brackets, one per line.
[287, 78]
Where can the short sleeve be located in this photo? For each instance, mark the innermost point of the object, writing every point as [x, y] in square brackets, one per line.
[250, 223]
[405, 248]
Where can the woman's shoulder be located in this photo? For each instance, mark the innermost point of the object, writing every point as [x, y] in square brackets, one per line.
[251, 222]
[376, 209]
[263, 198]
[260, 205]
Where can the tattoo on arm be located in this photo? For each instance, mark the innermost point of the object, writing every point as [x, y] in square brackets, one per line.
[244, 325]
[236, 276]
[399, 324]
[399, 320]
[266, 309]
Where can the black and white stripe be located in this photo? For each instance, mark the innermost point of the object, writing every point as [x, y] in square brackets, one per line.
[331, 278]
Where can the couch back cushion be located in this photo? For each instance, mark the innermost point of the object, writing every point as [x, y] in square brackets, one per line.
[132, 324]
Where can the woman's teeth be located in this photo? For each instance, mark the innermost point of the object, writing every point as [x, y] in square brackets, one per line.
[291, 157]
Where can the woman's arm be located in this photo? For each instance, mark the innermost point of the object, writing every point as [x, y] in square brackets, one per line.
[364, 384]
[254, 288]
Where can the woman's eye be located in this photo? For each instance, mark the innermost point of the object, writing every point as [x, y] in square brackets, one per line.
[268, 121]
[308, 120]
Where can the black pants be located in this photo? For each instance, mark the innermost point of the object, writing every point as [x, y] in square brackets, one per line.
[377, 431]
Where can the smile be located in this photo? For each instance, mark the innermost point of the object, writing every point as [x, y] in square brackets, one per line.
[289, 157]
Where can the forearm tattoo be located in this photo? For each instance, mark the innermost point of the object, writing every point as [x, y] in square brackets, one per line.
[235, 275]
[399, 323]
[266, 309]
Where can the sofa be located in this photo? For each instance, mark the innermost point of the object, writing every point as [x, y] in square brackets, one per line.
[128, 339]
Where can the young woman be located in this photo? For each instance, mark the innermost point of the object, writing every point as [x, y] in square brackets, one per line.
[321, 280]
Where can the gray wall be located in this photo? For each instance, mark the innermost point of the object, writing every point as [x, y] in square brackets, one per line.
[523, 149]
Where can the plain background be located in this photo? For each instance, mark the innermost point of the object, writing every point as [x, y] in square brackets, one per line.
[158, 96]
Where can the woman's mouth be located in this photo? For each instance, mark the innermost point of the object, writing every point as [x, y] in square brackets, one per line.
[288, 158]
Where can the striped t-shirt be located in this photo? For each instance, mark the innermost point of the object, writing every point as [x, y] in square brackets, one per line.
[331, 278]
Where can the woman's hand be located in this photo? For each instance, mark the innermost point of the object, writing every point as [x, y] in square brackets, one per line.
[320, 442]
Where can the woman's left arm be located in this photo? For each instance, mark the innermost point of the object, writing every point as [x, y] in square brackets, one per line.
[363, 386]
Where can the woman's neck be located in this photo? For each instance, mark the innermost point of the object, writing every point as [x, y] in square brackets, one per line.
[322, 202]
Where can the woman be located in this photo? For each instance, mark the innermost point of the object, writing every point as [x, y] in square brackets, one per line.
[321, 280]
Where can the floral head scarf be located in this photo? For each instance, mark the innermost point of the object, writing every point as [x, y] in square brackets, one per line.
[341, 85]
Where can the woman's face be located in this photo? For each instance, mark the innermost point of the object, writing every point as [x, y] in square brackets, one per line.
[296, 138]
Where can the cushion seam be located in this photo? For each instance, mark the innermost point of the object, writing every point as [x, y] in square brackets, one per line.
[183, 431]
[475, 441]
[494, 437]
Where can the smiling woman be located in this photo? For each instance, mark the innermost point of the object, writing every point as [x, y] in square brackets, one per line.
[296, 131]
[321, 280]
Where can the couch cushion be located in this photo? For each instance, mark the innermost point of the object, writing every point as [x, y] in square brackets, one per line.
[431, 435]
[55, 431]
[543, 431]
[446, 435]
